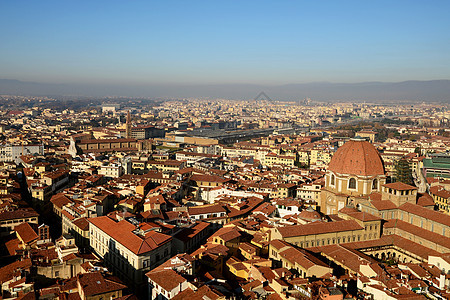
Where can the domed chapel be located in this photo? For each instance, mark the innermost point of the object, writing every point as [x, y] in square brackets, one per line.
[354, 172]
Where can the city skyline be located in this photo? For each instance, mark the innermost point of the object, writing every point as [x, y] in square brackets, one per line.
[262, 43]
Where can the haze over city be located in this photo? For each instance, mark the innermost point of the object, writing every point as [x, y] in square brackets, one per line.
[229, 49]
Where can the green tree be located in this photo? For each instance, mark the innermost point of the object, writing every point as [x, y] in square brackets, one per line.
[418, 150]
[403, 172]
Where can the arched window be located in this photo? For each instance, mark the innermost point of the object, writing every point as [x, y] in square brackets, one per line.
[352, 183]
[332, 179]
[374, 184]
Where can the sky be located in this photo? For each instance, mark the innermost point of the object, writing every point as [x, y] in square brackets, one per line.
[224, 42]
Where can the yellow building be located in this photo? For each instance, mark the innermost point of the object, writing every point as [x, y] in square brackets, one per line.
[273, 159]
[303, 157]
[329, 233]
[297, 259]
[166, 165]
[367, 134]
[441, 197]
[319, 157]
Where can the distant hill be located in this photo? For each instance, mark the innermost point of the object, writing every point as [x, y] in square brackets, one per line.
[427, 91]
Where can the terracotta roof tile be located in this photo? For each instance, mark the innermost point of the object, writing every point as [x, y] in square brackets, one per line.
[96, 284]
[122, 232]
[420, 232]
[426, 213]
[26, 233]
[399, 186]
[357, 157]
[318, 228]
[410, 246]
[82, 223]
[167, 279]
[18, 214]
[8, 271]
[383, 204]
[59, 200]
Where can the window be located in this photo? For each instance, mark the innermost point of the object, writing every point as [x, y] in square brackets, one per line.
[332, 179]
[146, 263]
[374, 184]
[352, 183]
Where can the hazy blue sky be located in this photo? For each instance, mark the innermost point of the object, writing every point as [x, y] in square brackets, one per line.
[265, 42]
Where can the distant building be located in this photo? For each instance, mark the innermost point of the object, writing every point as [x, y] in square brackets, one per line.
[11, 153]
[370, 135]
[107, 145]
[437, 165]
[146, 132]
[110, 107]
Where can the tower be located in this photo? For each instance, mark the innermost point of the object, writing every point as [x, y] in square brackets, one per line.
[128, 127]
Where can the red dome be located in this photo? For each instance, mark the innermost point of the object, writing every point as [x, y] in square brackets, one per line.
[357, 157]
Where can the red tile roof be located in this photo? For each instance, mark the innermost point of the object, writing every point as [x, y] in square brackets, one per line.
[426, 213]
[440, 191]
[189, 233]
[362, 216]
[167, 279]
[26, 233]
[226, 234]
[122, 232]
[357, 157]
[383, 204]
[348, 257]
[398, 241]
[318, 228]
[18, 214]
[82, 223]
[13, 246]
[399, 186]
[59, 200]
[208, 178]
[425, 200]
[95, 284]
[8, 271]
[419, 232]
[206, 209]
[301, 257]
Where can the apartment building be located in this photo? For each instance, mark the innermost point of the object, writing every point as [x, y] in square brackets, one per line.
[128, 250]
[12, 153]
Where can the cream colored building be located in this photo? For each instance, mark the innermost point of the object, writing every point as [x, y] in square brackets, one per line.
[297, 259]
[127, 250]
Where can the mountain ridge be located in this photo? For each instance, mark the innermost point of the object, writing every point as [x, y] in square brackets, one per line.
[412, 90]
